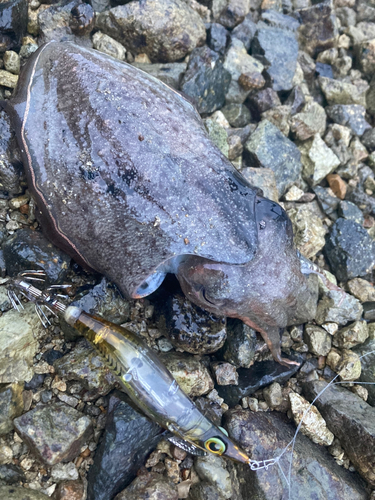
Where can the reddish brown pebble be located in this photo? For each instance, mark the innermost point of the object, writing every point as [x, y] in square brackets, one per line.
[321, 362]
[250, 81]
[24, 209]
[369, 222]
[337, 185]
[178, 453]
[69, 490]
[186, 241]
[85, 453]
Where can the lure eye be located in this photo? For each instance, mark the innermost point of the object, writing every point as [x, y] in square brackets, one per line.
[215, 445]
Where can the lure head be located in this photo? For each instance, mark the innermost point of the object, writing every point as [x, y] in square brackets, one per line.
[217, 442]
[268, 293]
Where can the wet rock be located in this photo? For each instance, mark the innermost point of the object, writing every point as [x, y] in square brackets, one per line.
[149, 486]
[337, 185]
[318, 160]
[108, 45]
[339, 92]
[310, 121]
[105, 300]
[352, 116]
[352, 421]
[18, 345]
[206, 81]
[169, 73]
[268, 147]
[211, 468]
[361, 289]
[238, 62]
[318, 30]
[312, 423]
[70, 490]
[11, 405]
[11, 474]
[318, 340]
[239, 348]
[351, 335]
[225, 373]
[279, 116]
[238, 115]
[165, 30]
[256, 377]
[245, 31]
[18, 493]
[309, 232]
[10, 164]
[262, 101]
[263, 435]
[190, 373]
[13, 24]
[277, 49]
[54, 432]
[189, 327]
[264, 179]
[28, 249]
[84, 365]
[338, 307]
[350, 250]
[217, 38]
[367, 354]
[128, 439]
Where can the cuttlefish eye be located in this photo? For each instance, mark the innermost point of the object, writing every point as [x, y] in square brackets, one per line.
[215, 445]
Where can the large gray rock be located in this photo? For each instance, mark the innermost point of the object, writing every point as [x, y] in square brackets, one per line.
[165, 30]
[55, 432]
[268, 147]
[352, 421]
[350, 115]
[278, 50]
[314, 473]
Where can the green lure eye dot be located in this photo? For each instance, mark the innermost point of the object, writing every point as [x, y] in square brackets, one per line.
[215, 445]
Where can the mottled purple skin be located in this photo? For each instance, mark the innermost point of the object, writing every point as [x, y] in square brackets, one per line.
[127, 182]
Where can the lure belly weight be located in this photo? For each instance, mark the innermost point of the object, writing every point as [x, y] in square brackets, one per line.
[127, 182]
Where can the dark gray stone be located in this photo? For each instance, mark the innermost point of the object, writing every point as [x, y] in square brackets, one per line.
[278, 49]
[206, 81]
[369, 311]
[238, 115]
[296, 100]
[128, 439]
[100, 5]
[352, 420]
[350, 250]
[318, 30]
[217, 38]
[256, 377]
[239, 348]
[368, 139]
[189, 327]
[263, 101]
[11, 405]
[347, 210]
[245, 31]
[268, 147]
[322, 69]
[349, 115]
[314, 473]
[234, 13]
[28, 249]
[13, 24]
[328, 203]
[11, 474]
[55, 432]
[169, 73]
